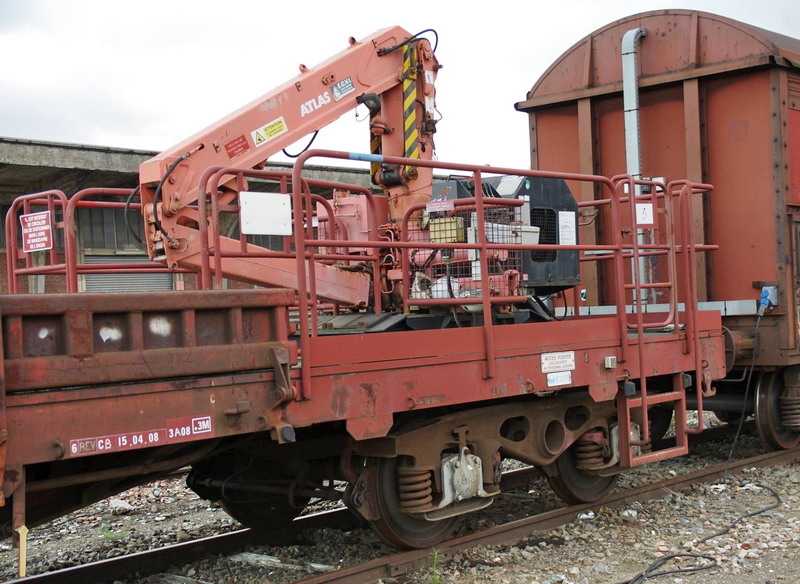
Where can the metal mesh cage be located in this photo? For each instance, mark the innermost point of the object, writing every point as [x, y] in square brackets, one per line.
[456, 272]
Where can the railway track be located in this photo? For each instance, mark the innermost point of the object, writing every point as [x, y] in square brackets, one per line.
[158, 560]
[516, 530]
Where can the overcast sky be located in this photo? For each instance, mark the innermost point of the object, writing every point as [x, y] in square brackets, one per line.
[147, 73]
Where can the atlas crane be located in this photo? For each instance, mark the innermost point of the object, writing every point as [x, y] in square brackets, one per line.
[391, 72]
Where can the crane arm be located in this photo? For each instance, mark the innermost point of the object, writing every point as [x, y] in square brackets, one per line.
[380, 65]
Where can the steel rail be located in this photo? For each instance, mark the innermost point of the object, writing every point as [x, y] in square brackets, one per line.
[508, 533]
[153, 561]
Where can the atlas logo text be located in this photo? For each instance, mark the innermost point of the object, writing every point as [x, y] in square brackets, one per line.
[313, 105]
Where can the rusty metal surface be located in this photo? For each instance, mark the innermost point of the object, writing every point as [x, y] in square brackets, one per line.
[364, 393]
[67, 340]
[717, 98]
[128, 302]
[121, 379]
[169, 369]
[116, 418]
[691, 43]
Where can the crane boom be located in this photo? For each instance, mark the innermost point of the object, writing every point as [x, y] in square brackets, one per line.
[391, 71]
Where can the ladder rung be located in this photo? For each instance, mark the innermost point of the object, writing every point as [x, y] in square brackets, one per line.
[659, 455]
[656, 398]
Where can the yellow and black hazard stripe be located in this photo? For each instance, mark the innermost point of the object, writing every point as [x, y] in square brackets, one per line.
[411, 133]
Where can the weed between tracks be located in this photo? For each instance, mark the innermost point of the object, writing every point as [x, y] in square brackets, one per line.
[435, 574]
[109, 535]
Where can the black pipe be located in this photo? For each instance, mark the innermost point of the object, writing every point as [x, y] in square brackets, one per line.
[728, 402]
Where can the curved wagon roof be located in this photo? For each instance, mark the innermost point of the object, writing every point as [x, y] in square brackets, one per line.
[680, 44]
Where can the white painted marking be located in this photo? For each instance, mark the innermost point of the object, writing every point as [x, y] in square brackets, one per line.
[108, 333]
[160, 326]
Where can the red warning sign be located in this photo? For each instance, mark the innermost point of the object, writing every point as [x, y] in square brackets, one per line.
[237, 146]
[37, 231]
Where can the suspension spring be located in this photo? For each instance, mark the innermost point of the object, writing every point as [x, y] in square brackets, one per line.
[790, 411]
[588, 454]
[414, 490]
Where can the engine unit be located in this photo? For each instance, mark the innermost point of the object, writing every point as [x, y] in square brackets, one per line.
[550, 206]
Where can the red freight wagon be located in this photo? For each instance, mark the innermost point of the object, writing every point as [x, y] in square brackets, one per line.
[403, 341]
[718, 102]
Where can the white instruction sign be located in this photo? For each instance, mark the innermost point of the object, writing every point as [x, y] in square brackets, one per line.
[553, 362]
[559, 378]
[644, 213]
[440, 206]
[566, 228]
[265, 213]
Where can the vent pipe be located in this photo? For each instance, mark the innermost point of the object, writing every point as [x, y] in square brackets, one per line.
[633, 148]
[630, 97]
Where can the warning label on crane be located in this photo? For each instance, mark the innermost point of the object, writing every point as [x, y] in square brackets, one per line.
[236, 147]
[269, 131]
[37, 231]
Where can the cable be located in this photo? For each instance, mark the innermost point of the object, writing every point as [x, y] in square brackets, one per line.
[411, 39]
[310, 142]
[778, 502]
[157, 195]
[429, 261]
[744, 401]
[135, 235]
[651, 573]
[564, 296]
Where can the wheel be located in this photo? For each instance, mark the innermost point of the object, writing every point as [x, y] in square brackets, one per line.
[572, 484]
[393, 526]
[768, 413]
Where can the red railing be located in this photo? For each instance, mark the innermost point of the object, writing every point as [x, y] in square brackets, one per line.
[53, 201]
[210, 240]
[620, 248]
[670, 237]
[64, 263]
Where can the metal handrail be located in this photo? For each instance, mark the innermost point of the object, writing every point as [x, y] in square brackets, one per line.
[51, 199]
[307, 330]
[212, 202]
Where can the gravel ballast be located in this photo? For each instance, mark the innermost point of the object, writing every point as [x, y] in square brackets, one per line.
[603, 547]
